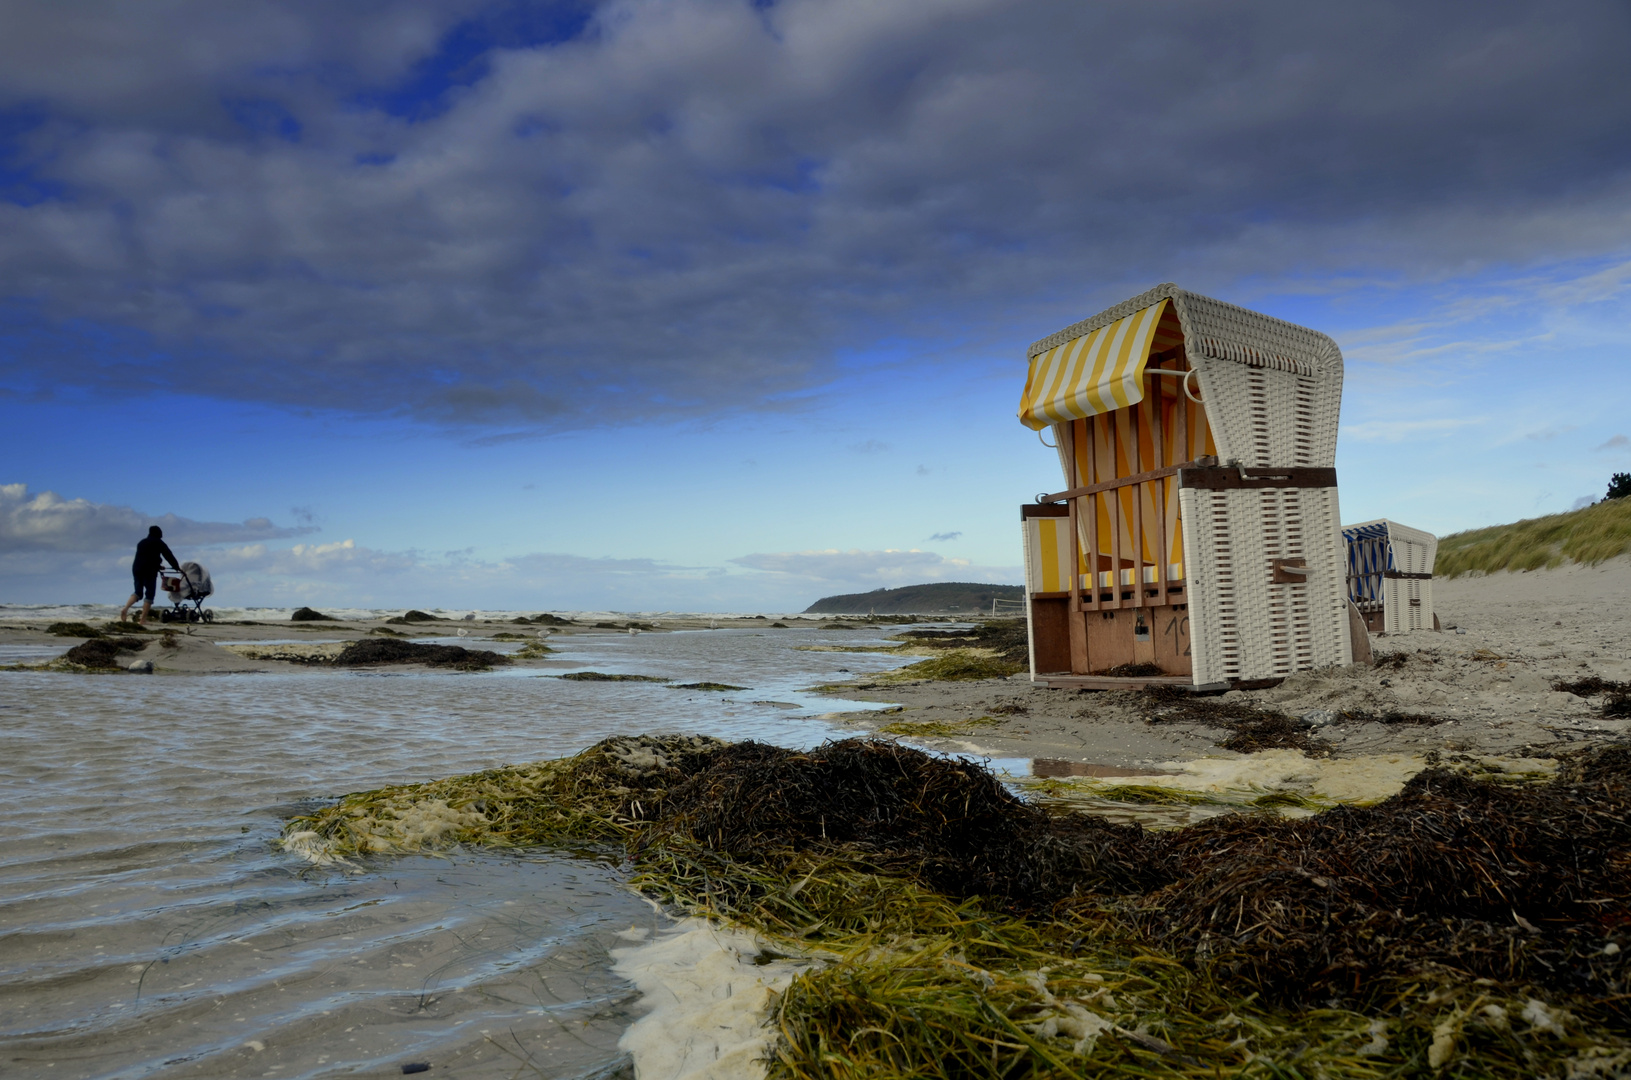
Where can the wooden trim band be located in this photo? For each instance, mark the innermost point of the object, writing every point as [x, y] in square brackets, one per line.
[1174, 585]
[1118, 482]
[1229, 478]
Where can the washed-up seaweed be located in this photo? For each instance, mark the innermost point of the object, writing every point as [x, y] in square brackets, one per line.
[1250, 728]
[371, 652]
[102, 652]
[601, 676]
[1466, 925]
[1132, 671]
[950, 823]
[1616, 695]
[1005, 637]
[73, 629]
[958, 665]
[1518, 885]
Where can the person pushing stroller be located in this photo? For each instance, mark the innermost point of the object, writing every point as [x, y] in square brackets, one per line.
[146, 568]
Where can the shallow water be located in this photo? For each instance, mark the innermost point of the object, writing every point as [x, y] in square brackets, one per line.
[149, 928]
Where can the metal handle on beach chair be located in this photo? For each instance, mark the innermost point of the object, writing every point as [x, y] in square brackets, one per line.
[1184, 374]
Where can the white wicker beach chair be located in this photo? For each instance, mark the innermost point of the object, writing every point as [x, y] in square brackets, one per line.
[1198, 443]
[1390, 575]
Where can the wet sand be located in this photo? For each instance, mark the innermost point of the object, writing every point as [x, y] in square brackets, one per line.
[1488, 686]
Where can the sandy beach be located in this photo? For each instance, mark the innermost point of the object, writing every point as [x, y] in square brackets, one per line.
[1483, 685]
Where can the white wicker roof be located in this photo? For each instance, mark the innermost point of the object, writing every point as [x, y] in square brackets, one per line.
[1222, 331]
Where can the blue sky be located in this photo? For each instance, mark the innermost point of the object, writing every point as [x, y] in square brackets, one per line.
[714, 305]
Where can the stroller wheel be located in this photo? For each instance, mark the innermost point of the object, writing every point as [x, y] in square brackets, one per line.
[208, 616]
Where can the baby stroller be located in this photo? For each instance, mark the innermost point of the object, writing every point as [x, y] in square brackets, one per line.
[190, 586]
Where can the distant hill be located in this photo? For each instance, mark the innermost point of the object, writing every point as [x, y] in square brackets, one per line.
[935, 598]
[1591, 535]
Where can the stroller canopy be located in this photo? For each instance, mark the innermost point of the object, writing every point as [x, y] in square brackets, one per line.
[194, 584]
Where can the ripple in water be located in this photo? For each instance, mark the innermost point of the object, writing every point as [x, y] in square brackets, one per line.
[150, 929]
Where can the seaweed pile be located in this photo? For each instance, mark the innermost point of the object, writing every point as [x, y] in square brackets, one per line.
[949, 823]
[956, 665]
[1462, 923]
[1616, 695]
[370, 652]
[102, 652]
[73, 629]
[1511, 884]
[1004, 637]
[1250, 728]
[601, 676]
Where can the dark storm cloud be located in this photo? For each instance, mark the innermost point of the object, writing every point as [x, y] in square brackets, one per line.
[542, 214]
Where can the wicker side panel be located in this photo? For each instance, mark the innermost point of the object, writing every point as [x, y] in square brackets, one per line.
[1414, 551]
[1261, 416]
[1214, 638]
[1408, 602]
[1407, 605]
[1243, 625]
[1329, 628]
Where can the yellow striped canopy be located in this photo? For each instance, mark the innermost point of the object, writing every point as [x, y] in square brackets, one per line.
[1099, 372]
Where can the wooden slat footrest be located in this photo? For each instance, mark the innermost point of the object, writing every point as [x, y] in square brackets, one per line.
[1062, 681]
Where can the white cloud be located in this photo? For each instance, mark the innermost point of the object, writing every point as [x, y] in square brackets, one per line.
[343, 557]
[1616, 442]
[48, 522]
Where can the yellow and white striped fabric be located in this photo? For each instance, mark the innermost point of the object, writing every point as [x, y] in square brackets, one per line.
[1098, 372]
[1049, 565]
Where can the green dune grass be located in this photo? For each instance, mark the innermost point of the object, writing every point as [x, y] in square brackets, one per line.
[1592, 535]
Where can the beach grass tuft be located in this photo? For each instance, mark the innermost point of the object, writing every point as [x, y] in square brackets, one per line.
[1460, 928]
[1590, 536]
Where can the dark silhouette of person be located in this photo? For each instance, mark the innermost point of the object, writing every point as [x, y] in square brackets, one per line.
[146, 568]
